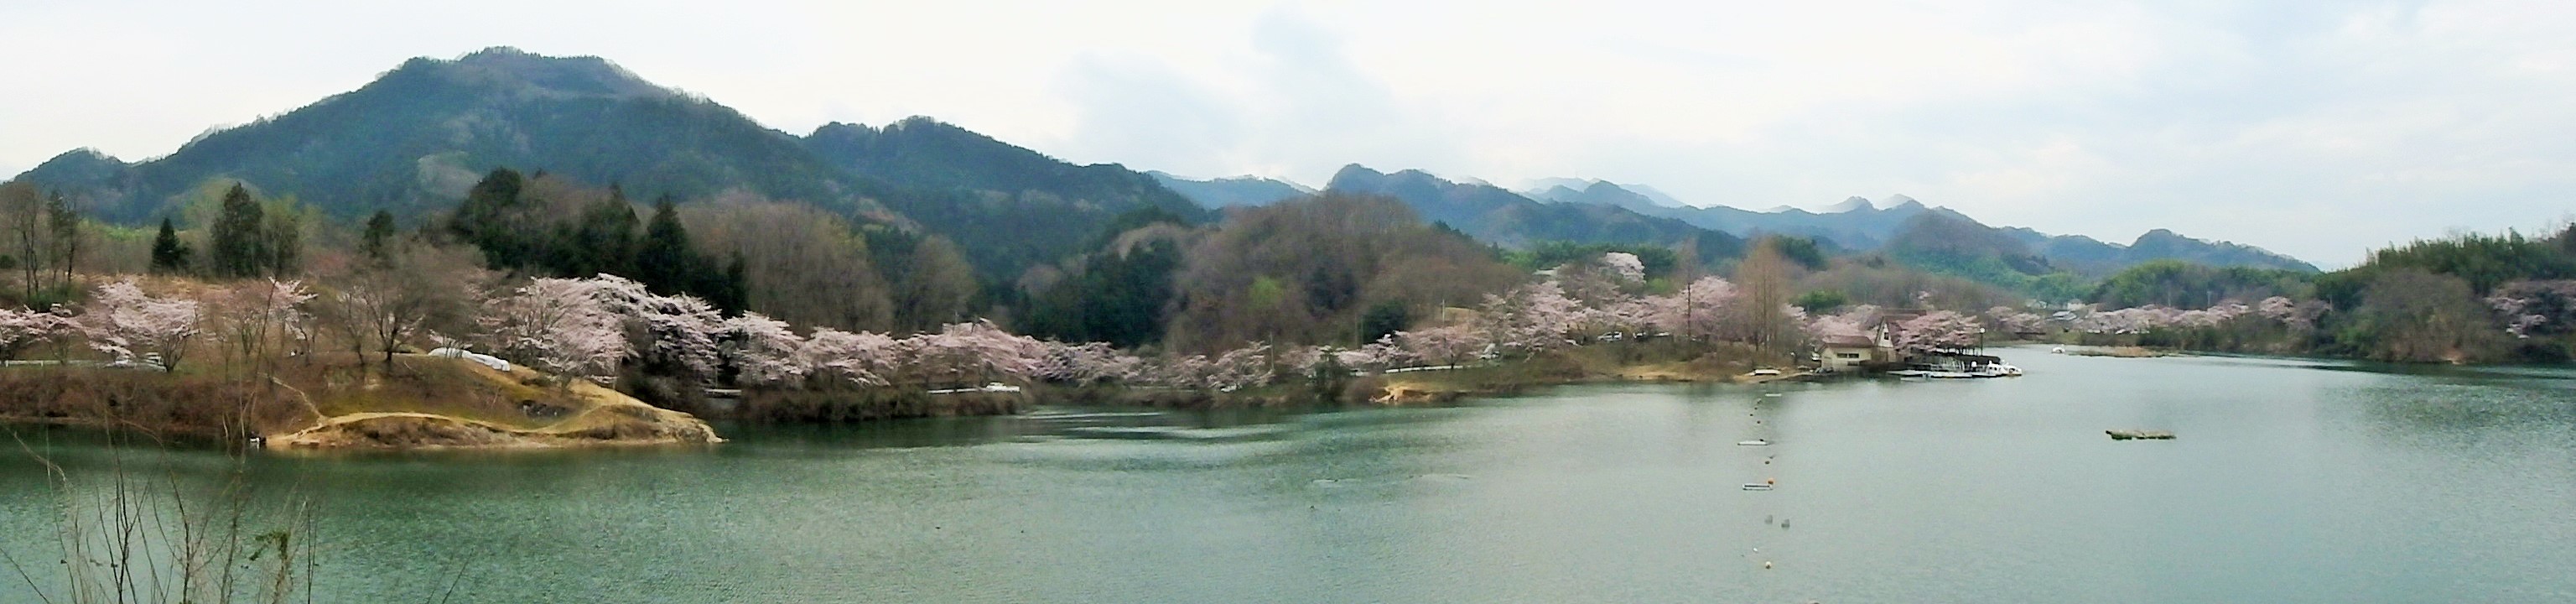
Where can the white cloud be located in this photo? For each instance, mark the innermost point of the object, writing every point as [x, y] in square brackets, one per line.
[2313, 128]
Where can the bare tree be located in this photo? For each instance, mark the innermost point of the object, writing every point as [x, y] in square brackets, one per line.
[418, 286]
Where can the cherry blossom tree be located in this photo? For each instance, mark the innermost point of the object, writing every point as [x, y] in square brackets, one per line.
[1936, 332]
[961, 353]
[863, 358]
[1626, 266]
[1445, 345]
[1241, 368]
[670, 335]
[2536, 308]
[1086, 364]
[1530, 318]
[124, 322]
[1380, 355]
[20, 328]
[564, 326]
[1698, 311]
[1851, 324]
[763, 351]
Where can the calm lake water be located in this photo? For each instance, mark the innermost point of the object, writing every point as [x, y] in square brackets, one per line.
[2293, 481]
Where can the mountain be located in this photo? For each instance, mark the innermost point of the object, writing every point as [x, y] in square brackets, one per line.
[2035, 263]
[417, 137]
[1855, 223]
[1498, 216]
[1230, 192]
[1008, 207]
[1860, 224]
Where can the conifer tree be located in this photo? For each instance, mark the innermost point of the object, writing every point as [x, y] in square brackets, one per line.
[665, 261]
[374, 242]
[169, 254]
[237, 236]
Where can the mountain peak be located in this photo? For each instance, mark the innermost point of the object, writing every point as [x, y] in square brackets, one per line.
[1852, 204]
[524, 72]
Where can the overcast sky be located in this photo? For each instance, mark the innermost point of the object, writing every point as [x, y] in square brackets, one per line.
[2316, 129]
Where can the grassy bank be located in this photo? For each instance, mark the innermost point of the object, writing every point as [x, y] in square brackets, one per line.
[335, 403]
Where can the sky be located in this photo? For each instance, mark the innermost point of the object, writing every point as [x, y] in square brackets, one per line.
[2317, 129]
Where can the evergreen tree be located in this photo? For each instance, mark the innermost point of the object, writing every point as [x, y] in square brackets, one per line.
[169, 255]
[66, 227]
[729, 291]
[281, 242]
[237, 237]
[486, 219]
[373, 243]
[665, 262]
[603, 241]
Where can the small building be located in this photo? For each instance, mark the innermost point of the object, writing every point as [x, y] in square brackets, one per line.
[1839, 353]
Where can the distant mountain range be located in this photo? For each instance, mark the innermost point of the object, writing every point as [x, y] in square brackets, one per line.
[417, 137]
[1854, 224]
[1231, 192]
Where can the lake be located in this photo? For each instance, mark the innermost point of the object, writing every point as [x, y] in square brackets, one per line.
[2292, 481]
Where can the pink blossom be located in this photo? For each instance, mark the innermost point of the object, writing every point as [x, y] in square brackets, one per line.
[1446, 345]
[1627, 266]
[859, 358]
[124, 322]
[763, 351]
[565, 326]
[19, 328]
[1937, 332]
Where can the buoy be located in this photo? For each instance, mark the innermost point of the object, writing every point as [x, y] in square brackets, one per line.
[1784, 523]
[1771, 481]
[1766, 564]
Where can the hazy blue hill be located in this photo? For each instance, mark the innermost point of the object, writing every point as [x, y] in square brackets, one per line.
[1858, 224]
[1502, 217]
[417, 136]
[1231, 192]
[1946, 242]
[2162, 244]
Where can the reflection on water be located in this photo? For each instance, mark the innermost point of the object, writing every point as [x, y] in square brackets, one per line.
[2293, 481]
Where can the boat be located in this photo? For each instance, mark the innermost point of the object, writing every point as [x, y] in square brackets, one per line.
[1756, 486]
[2139, 434]
[1753, 443]
[1906, 373]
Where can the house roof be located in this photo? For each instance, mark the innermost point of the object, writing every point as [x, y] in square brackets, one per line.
[1848, 341]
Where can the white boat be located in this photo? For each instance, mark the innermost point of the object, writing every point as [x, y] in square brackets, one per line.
[1756, 486]
[1753, 443]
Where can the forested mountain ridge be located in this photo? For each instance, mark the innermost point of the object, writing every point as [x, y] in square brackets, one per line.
[415, 138]
[418, 137]
[1010, 208]
[1222, 193]
[1495, 215]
